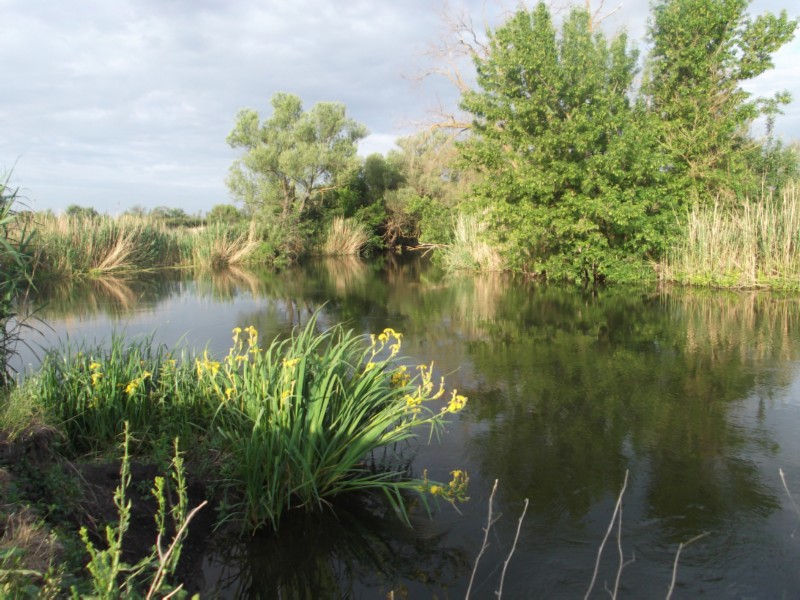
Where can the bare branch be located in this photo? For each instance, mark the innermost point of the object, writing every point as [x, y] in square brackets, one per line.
[788, 493]
[485, 544]
[617, 510]
[681, 546]
[499, 591]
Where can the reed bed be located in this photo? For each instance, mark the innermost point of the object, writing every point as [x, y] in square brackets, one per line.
[292, 425]
[345, 237]
[752, 245]
[74, 246]
[469, 251]
[15, 276]
[219, 246]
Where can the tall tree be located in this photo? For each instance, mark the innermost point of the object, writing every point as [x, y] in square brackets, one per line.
[292, 157]
[570, 176]
[702, 51]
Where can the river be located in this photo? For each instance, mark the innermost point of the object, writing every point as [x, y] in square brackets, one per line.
[694, 394]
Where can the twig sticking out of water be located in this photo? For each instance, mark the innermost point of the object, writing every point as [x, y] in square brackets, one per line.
[617, 514]
[485, 544]
[499, 591]
[681, 546]
[788, 493]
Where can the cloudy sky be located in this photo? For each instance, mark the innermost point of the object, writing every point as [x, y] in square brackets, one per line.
[112, 103]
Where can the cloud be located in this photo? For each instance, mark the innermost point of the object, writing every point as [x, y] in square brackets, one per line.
[112, 104]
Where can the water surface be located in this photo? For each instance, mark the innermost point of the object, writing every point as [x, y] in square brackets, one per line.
[695, 394]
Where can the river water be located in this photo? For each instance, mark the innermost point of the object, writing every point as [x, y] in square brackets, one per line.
[694, 394]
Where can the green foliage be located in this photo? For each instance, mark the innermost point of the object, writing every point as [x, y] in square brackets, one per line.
[224, 213]
[702, 52]
[110, 576]
[292, 426]
[292, 157]
[80, 212]
[91, 393]
[174, 217]
[15, 265]
[301, 421]
[422, 208]
[572, 180]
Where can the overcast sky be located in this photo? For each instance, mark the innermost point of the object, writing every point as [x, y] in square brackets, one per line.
[112, 103]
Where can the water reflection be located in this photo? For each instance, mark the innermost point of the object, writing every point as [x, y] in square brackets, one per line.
[356, 552]
[694, 392]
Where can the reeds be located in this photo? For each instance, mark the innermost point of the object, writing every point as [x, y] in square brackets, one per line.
[345, 237]
[469, 250]
[219, 246]
[752, 245]
[15, 275]
[74, 246]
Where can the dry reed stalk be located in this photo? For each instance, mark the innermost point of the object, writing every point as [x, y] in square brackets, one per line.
[616, 515]
[485, 543]
[499, 592]
[681, 546]
[489, 522]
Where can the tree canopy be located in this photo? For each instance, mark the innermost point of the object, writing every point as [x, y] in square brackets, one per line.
[702, 51]
[570, 178]
[293, 157]
[584, 176]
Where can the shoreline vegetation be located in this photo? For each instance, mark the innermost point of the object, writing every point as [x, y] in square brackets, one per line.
[566, 166]
[751, 244]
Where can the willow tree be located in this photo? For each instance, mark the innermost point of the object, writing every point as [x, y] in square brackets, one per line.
[702, 51]
[293, 157]
[571, 177]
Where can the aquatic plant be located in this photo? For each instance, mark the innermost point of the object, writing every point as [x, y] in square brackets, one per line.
[302, 420]
[753, 244]
[345, 237]
[469, 251]
[15, 266]
[292, 425]
[220, 245]
[92, 392]
[70, 246]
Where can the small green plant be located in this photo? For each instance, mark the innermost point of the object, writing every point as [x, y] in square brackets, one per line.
[110, 576]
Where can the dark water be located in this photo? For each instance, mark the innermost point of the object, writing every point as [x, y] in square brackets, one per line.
[695, 394]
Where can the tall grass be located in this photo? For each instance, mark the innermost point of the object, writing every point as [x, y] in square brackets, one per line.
[219, 245]
[345, 237]
[92, 392]
[74, 246]
[756, 244]
[15, 275]
[292, 425]
[469, 250]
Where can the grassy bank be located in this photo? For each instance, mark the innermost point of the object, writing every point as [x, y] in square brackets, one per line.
[749, 245]
[292, 425]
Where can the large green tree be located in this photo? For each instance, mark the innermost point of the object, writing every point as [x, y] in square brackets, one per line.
[702, 51]
[572, 178]
[293, 157]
